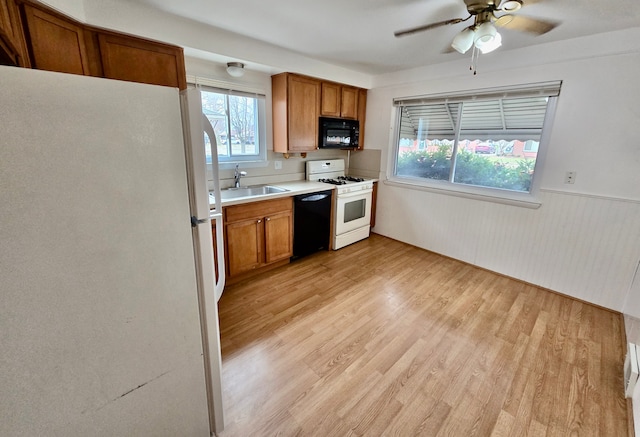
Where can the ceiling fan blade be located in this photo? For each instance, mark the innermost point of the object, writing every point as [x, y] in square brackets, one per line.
[525, 24]
[428, 26]
[448, 49]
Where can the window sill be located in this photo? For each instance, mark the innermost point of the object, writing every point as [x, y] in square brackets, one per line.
[523, 200]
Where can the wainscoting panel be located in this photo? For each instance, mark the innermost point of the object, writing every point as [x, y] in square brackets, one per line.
[583, 246]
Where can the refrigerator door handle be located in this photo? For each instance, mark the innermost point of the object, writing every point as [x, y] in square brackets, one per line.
[208, 129]
[219, 283]
[217, 216]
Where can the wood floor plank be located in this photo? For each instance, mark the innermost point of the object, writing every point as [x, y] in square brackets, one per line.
[383, 338]
[425, 418]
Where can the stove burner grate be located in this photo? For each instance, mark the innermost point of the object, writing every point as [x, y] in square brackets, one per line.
[333, 181]
[350, 179]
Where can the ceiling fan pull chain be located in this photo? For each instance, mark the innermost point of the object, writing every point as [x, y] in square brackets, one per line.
[474, 60]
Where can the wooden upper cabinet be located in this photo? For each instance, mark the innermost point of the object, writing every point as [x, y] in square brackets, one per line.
[8, 51]
[330, 106]
[362, 115]
[299, 101]
[55, 43]
[296, 106]
[52, 41]
[13, 50]
[339, 101]
[138, 60]
[349, 102]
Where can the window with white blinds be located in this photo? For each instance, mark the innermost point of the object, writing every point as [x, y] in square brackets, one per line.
[489, 138]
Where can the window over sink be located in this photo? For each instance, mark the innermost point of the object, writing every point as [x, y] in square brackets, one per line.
[238, 120]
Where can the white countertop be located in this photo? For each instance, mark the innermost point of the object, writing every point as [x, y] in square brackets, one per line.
[294, 188]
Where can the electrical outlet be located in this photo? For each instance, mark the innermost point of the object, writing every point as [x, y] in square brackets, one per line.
[570, 177]
[277, 165]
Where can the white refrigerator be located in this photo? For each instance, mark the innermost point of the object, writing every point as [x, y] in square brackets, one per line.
[108, 301]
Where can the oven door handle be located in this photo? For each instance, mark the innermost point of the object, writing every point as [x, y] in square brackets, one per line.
[355, 193]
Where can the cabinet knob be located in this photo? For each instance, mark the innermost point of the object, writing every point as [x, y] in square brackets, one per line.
[259, 221]
[268, 219]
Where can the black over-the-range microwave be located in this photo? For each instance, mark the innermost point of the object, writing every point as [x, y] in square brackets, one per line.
[338, 133]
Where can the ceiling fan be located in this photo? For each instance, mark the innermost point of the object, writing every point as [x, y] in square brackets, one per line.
[482, 34]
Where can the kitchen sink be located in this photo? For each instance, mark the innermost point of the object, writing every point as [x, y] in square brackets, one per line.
[256, 190]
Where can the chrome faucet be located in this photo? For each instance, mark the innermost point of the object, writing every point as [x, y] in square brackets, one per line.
[237, 175]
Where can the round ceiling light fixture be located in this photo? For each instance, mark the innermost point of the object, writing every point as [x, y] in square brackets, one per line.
[235, 69]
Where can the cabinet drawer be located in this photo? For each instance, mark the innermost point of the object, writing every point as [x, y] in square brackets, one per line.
[256, 210]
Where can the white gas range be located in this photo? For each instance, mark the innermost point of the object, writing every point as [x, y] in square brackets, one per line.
[353, 200]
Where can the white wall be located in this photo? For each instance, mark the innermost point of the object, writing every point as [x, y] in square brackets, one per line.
[73, 8]
[584, 241]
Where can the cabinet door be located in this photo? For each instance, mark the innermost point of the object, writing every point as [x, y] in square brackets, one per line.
[330, 106]
[138, 60]
[304, 106]
[349, 102]
[362, 115]
[8, 52]
[244, 241]
[56, 44]
[13, 49]
[278, 231]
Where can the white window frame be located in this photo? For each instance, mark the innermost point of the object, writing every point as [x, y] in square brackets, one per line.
[214, 85]
[529, 200]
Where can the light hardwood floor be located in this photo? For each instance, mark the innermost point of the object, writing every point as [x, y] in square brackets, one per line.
[384, 339]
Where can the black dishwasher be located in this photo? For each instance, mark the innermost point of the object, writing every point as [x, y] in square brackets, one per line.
[312, 222]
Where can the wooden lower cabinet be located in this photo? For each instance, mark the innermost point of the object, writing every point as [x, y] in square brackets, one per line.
[278, 239]
[258, 235]
[244, 245]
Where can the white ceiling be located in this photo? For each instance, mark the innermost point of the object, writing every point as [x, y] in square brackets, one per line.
[358, 34]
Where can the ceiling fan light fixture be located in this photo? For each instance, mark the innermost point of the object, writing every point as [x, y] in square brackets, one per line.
[485, 33]
[491, 45]
[235, 69]
[463, 41]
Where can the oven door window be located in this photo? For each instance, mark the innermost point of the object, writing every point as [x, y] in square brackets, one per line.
[353, 211]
